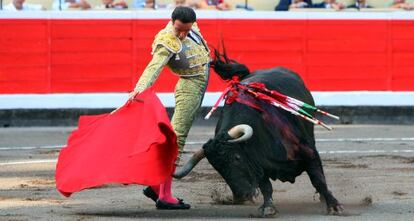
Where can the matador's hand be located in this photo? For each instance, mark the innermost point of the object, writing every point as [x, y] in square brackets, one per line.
[131, 97]
[116, 110]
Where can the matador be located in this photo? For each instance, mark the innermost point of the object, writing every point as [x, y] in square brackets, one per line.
[188, 58]
[181, 47]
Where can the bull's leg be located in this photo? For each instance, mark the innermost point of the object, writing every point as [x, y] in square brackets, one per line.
[317, 177]
[267, 209]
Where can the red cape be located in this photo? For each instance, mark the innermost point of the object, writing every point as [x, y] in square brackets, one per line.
[135, 145]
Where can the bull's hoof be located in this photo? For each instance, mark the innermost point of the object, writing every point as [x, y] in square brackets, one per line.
[335, 210]
[268, 211]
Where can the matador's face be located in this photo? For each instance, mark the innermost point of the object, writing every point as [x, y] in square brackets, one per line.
[181, 29]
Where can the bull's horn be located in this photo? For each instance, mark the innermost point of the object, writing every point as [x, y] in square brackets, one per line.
[241, 132]
[191, 163]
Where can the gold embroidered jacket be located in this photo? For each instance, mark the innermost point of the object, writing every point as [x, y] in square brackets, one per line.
[184, 57]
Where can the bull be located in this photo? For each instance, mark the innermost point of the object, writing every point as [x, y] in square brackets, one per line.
[251, 147]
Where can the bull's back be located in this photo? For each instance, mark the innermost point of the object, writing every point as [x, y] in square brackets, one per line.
[291, 84]
[284, 81]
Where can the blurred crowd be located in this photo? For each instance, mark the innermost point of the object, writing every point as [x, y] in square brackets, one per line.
[282, 5]
[18, 5]
[285, 5]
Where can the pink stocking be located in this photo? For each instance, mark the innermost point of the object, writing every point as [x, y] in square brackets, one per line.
[165, 192]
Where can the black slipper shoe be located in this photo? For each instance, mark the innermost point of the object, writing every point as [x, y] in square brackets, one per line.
[171, 206]
[148, 192]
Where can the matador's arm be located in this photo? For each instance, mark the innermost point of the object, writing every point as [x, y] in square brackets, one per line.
[160, 58]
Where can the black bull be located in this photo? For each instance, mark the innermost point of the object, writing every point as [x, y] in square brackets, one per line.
[282, 145]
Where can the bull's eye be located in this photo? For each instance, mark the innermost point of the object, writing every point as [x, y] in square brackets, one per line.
[237, 157]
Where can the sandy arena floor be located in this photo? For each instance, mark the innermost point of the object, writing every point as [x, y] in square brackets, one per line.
[369, 168]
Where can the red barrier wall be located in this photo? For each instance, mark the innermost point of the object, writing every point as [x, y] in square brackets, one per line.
[108, 55]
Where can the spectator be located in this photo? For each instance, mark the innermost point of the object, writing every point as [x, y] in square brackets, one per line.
[112, 4]
[142, 4]
[150, 4]
[176, 3]
[70, 4]
[329, 4]
[285, 5]
[194, 4]
[402, 4]
[213, 4]
[19, 5]
[360, 4]
[138, 4]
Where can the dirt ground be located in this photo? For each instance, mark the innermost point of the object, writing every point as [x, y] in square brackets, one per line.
[369, 168]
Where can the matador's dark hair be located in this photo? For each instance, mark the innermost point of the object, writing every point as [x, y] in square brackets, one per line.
[184, 14]
[227, 68]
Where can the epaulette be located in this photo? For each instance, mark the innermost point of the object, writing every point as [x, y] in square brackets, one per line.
[168, 40]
